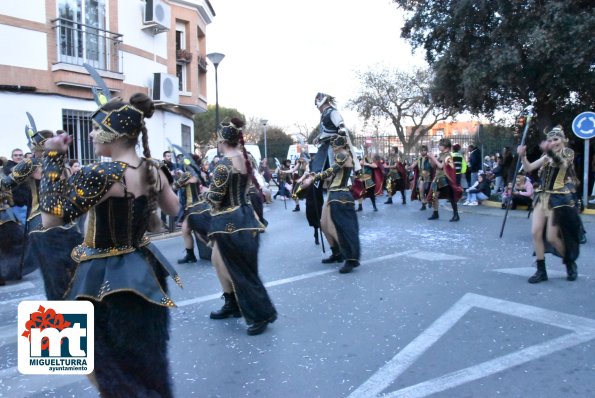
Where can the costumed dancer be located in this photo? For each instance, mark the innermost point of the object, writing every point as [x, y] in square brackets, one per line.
[119, 270]
[299, 169]
[255, 193]
[12, 236]
[189, 183]
[314, 201]
[370, 182]
[556, 225]
[284, 180]
[234, 233]
[339, 220]
[396, 179]
[444, 185]
[422, 177]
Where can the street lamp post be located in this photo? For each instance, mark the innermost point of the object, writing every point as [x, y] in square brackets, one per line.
[216, 59]
[264, 125]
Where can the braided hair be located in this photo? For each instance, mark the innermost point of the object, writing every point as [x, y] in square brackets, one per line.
[143, 103]
[239, 124]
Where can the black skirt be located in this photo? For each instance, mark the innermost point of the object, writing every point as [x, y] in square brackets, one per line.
[345, 220]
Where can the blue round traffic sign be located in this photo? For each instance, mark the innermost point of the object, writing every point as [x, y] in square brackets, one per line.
[583, 125]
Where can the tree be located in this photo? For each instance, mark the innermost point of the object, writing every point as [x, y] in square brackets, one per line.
[490, 55]
[204, 123]
[277, 144]
[402, 98]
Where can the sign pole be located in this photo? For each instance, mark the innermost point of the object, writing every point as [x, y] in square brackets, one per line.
[583, 127]
[586, 174]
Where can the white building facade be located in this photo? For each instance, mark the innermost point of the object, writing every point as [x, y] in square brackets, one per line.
[156, 47]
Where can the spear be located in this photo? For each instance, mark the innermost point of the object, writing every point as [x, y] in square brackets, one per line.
[529, 111]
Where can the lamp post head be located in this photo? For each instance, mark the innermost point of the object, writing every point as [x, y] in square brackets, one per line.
[215, 58]
[263, 122]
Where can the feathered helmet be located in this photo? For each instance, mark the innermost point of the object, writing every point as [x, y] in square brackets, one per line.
[556, 132]
[322, 98]
[231, 132]
[117, 119]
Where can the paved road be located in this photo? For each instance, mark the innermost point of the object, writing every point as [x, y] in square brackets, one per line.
[435, 308]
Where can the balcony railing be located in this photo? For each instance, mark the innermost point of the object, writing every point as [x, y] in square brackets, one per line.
[78, 43]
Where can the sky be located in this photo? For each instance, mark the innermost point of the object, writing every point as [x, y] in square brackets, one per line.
[280, 53]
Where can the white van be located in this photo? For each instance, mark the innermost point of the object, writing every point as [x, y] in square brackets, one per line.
[253, 149]
[294, 151]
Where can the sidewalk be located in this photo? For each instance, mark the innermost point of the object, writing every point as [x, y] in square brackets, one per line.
[492, 208]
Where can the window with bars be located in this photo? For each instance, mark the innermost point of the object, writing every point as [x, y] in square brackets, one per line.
[78, 125]
[187, 138]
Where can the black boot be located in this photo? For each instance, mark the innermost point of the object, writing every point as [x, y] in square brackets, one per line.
[389, 201]
[455, 209]
[359, 207]
[336, 257]
[541, 274]
[316, 241]
[571, 271]
[257, 328]
[348, 266]
[404, 199]
[434, 216]
[375, 209]
[297, 208]
[230, 308]
[423, 206]
[189, 258]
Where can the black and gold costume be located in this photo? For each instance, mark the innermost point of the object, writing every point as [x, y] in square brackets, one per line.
[338, 214]
[235, 230]
[12, 236]
[557, 195]
[396, 179]
[22, 174]
[118, 270]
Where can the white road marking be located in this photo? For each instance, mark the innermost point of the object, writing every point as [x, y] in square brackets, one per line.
[583, 330]
[433, 256]
[16, 287]
[528, 271]
[202, 299]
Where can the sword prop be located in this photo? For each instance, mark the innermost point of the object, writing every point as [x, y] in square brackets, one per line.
[529, 111]
[101, 94]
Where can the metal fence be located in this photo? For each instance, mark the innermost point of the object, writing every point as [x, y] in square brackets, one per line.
[78, 124]
[78, 43]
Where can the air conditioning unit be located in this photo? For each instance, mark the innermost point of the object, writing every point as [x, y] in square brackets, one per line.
[157, 16]
[166, 88]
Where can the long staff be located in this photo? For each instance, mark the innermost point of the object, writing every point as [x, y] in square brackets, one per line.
[529, 111]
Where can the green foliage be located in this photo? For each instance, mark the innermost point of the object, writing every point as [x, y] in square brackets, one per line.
[277, 144]
[490, 55]
[403, 98]
[204, 123]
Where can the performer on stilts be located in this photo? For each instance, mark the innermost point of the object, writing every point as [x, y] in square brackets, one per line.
[339, 220]
[396, 179]
[119, 270]
[235, 234]
[423, 174]
[444, 185]
[556, 225]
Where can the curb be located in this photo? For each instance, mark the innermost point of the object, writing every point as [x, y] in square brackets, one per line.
[491, 203]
